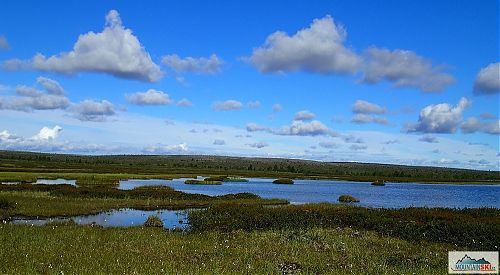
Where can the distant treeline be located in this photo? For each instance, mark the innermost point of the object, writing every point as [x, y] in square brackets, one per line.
[220, 165]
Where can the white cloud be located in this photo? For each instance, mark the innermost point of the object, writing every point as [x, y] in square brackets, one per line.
[473, 124]
[32, 99]
[4, 44]
[253, 104]
[203, 65]
[404, 69]
[115, 51]
[304, 115]
[297, 128]
[428, 139]
[227, 105]
[277, 108]
[363, 118]
[319, 48]
[259, 145]
[150, 97]
[219, 142]
[166, 149]
[47, 133]
[51, 86]
[90, 110]
[184, 103]
[488, 80]
[487, 115]
[365, 107]
[440, 118]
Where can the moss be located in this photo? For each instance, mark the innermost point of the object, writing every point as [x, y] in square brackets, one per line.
[153, 221]
[283, 181]
[348, 199]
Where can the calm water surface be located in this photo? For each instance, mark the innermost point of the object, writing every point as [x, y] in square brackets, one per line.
[392, 195]
[125, 217]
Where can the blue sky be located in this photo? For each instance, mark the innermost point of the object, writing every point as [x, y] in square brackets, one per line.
[406, 82]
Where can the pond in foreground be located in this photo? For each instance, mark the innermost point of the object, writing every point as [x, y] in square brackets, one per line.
[392, 195]
[125, 217]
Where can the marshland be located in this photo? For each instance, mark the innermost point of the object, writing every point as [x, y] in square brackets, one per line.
[137, 214]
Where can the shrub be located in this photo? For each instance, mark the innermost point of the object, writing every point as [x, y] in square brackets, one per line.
[153, 221]
[283, 181]
[348, 199]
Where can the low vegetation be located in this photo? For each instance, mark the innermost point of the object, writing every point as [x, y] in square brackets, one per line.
[348, 199]
[27, 166]
[153, 221]
[475, 229]
[378, 183]
[59, 249]
[65, 200]
[203, 182]
[283, 181]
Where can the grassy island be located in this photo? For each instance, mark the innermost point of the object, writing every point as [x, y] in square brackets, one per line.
[283, 181]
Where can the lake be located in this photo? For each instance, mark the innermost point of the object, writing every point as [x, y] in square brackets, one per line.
[124, 217]
[392, 195]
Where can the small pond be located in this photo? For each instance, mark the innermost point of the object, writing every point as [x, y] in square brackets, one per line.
[124, 217]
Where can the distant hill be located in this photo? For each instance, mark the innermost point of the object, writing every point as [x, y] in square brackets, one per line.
[244, 166]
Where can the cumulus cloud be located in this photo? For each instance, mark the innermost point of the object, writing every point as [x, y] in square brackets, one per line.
[90, 110]
[260, 144]
[184, 103]
[364, 118]
[304, 115]
[488, 80]
[161, 149]
[47, 133]
[297, 128]
[202, 65]
[253, 104]
[404, 69]
[365, 107]
[115, 51]
[4, 44]
[319, 48]
[440, 118]
[428, 139]
[277, 108]
[227, 105]
[473, 124]
[30, 98]
[51, 86]
[219, 142]
[150, 97]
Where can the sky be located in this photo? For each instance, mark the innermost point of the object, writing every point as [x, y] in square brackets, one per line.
[401, 82]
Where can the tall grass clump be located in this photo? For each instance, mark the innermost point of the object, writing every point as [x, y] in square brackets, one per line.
[153, 221]
[348, 199]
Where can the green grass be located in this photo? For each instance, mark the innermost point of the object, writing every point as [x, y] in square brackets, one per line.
[234, 179]
[153, 221]
[57, 249]
[64, 200]
[476, 229]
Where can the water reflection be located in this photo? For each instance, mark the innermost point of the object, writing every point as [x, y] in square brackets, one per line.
[125, 217]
